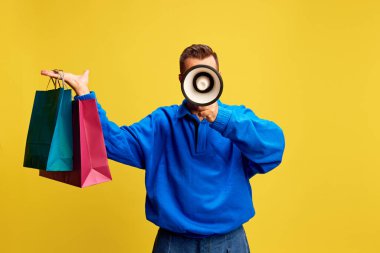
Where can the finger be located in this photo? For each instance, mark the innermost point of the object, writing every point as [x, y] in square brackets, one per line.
[49, 73]
[203, 108]
[207, 107]
[204, 113]
[210, 116]
[85, 74]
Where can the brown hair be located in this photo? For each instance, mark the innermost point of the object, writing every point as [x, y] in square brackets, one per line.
[199, 51]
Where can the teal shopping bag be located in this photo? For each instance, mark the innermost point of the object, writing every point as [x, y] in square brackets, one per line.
[49, 140]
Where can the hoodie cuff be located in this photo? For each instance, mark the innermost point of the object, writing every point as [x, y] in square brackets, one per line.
[90, 95]
[222, 119]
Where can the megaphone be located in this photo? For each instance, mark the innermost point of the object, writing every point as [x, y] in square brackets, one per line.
[202, 85]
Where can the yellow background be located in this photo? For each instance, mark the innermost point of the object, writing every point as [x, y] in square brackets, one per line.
[310, 66]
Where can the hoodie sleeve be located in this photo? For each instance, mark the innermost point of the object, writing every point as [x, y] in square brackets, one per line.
[125, 144]
[261, 141]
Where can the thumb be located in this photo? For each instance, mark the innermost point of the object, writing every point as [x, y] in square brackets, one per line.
[84, 77]
[86, 72]
[82, 81]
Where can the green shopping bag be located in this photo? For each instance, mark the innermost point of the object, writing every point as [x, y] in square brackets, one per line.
[49, 140]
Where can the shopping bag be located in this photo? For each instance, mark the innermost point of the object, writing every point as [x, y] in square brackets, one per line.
[49, 140]
[90, 164]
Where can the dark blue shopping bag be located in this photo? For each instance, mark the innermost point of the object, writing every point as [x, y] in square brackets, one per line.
[49, 143]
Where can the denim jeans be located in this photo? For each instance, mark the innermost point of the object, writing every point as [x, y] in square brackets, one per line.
[232, 242]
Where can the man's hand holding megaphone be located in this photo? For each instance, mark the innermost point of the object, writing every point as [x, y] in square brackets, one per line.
[208, 112]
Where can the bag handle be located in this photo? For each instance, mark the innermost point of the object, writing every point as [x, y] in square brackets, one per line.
[56, 80]
[53, 80]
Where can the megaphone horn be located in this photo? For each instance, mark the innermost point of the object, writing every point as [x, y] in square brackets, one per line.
[202, 85]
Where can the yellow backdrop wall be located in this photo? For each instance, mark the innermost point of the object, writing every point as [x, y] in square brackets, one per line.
[310, 66]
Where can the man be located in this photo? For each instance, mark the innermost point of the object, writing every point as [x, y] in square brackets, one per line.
[198, 161]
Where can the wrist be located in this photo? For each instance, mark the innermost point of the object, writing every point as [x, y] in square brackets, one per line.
[82, 92]
[90, 95]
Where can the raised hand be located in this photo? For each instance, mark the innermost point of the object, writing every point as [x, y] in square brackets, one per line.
[79, 83]
[208, 112]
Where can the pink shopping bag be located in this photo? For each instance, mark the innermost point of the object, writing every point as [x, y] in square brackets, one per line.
[90, 164]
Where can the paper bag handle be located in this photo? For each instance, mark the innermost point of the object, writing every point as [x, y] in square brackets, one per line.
[55, 81]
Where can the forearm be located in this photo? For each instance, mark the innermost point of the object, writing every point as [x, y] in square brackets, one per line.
[261, 141]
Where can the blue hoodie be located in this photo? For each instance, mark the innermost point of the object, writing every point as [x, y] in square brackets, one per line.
[196, 173]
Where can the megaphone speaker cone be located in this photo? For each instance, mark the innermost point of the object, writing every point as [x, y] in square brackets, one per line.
[202, 85]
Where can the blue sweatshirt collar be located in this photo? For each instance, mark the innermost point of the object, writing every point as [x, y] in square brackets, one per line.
[183, 110]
